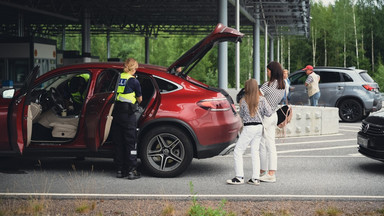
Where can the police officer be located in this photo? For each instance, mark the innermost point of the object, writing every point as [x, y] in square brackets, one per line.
[124, 121]
[77, 86]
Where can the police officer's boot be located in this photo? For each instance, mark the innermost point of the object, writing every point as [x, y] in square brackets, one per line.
[121, 173]
[133, 174]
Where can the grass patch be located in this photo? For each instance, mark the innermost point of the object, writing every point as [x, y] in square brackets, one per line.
[85, 207]
[380, 211]
[32, 207]
[198, 210]
[331, 211]
[169, 210]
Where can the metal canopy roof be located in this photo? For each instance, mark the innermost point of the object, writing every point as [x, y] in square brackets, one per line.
[149, 17]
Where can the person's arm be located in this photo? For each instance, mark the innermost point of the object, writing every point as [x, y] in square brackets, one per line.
[139, 99]
[242, 110]
[308, 80]
[267, 110]
[139, 96]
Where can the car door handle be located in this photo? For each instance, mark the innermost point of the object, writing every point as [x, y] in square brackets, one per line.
[340, 87]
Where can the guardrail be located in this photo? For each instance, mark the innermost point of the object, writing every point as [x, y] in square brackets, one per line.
[311, 121]
[307, 120]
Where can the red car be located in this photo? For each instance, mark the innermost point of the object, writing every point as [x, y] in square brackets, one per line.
[179, 119]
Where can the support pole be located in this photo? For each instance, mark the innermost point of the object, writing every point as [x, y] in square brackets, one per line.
[63, 38]
[146, 50]
[20, 24]
[271, 49]
[256, 46]
[278, 49]
[86, 34]
[265, 51]
[237, 69]
[223, 48]
[108, 44]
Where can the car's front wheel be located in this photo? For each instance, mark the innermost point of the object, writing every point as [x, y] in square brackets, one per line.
[166, 151]
[350, 110]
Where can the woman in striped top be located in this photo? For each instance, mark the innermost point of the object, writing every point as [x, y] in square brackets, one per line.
[273, 91]
[252, 108]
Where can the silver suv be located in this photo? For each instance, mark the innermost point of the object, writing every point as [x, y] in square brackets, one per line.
[352, 90]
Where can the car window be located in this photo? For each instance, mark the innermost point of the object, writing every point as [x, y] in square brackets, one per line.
[366, 77]
[330, 77]
[106, 82]
[346, 77]
[147, 88]
[298, 78]
[165, 86]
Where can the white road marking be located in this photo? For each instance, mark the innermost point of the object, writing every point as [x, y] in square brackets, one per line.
[305, 137]
[356, 155]
[316, 149]
[218, 196]
[321, 156]
[312, 142]
[349, 130]
[352, 126]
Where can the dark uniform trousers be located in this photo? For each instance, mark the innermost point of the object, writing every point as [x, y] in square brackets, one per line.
[124, 137]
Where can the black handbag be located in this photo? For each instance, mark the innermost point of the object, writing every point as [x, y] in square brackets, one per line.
[284, 115]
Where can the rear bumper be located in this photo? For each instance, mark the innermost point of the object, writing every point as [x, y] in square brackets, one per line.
[377, 104]
[376, 155]
[208, 151]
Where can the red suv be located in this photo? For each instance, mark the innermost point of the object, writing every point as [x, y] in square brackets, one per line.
[179, 119]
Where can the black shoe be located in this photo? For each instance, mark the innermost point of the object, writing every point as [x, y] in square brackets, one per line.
[120, 174]
[133, 175]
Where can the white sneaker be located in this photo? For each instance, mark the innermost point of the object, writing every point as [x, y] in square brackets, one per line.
[254, 182]
[268, 178]
[235, 181]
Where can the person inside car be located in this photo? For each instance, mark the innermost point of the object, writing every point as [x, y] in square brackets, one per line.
[77, 86]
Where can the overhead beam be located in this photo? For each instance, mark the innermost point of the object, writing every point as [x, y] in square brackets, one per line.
[247, 14]
[38, 11]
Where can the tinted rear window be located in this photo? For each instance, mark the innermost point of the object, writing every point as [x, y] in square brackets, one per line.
[346, 77]
[329, 77]
[165, 86]
[366, 77]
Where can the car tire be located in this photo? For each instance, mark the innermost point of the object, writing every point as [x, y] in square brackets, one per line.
[166, 151]
[350, 110]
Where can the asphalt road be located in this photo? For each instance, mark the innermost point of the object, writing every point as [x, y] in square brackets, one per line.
[318, 167]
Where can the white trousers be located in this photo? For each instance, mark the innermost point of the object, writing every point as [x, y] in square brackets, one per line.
[251, 134]
[268, 154]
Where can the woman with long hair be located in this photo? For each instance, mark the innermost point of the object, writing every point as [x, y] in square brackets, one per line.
[273, 91]
[253, 107]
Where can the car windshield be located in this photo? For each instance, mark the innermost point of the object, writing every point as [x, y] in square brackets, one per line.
[56, 81]
[298, 78]
[366, 77]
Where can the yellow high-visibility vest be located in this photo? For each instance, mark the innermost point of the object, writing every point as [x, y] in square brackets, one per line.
[77, 96]
[129, 97]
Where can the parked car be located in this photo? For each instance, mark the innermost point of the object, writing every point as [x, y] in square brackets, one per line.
[370, 138]
[352, 90]
[180, 118]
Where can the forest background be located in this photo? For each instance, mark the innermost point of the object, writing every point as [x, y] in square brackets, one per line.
[348, 33]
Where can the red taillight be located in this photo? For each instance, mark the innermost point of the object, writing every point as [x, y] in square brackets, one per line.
[368, 87]
[216, 104]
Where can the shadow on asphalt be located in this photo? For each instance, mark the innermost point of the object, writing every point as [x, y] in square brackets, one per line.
[375, 167]
[16, 165]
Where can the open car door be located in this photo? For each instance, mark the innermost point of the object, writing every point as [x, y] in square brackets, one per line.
[19, 115]
[98, 114]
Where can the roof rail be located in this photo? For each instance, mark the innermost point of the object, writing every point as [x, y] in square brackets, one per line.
[333, 67]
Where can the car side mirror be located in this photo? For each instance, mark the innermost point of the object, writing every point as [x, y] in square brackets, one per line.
[8, 93]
